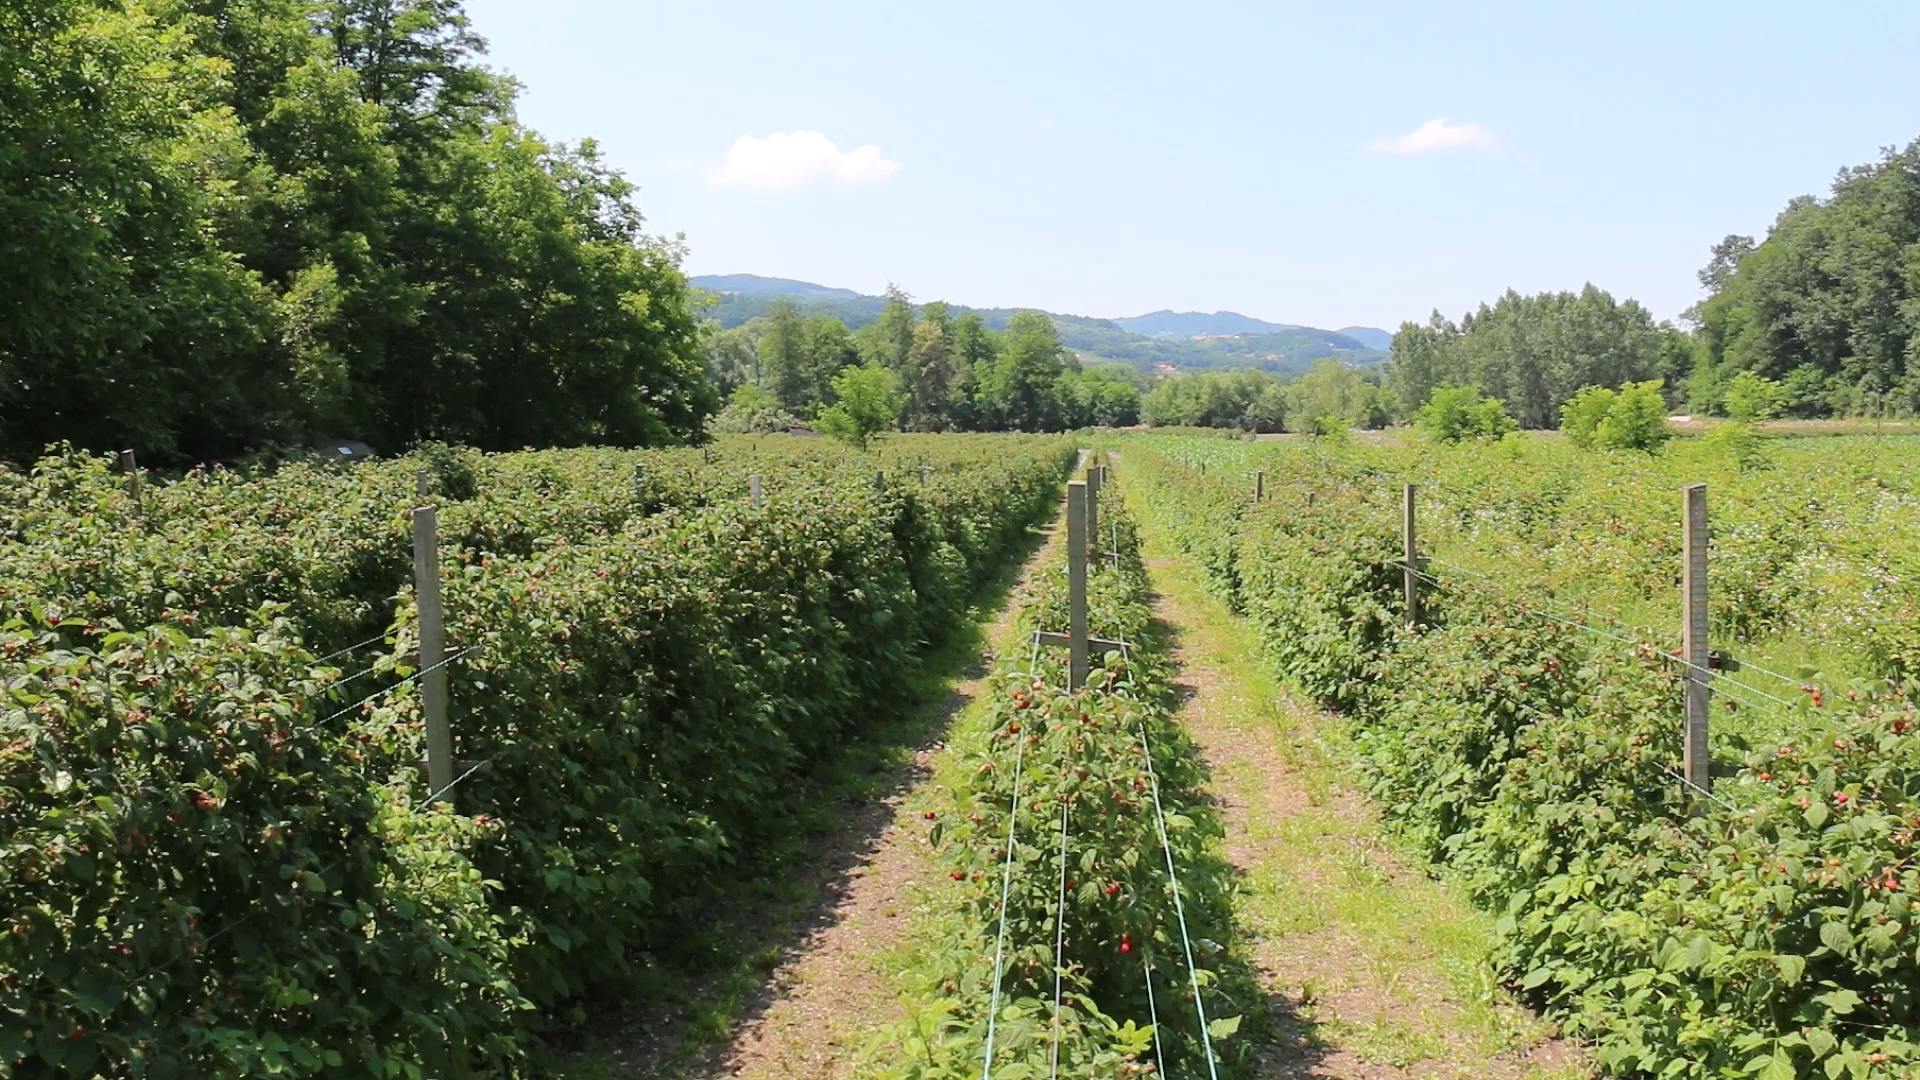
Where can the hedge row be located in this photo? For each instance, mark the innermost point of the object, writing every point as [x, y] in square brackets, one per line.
[1768, 933]
[211, 866]
[1079, 753]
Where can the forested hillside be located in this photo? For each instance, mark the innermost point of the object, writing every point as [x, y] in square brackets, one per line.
[226, 225]
[919, 368]
[1163, 337]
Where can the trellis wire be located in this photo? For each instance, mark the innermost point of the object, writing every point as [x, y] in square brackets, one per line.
[1744, 661]
[351, 648]
[450, 658]
[1179, 910]
[1153, 1013]
[1635, 646]
[1059, 948]
[1006, 885]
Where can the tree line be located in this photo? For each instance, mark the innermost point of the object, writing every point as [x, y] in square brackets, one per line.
[227, 225]
[1821, 318]
[914, 368]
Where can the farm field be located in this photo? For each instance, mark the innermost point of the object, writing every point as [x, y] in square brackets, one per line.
[219, 855]
[1526, 737]
[222, 857]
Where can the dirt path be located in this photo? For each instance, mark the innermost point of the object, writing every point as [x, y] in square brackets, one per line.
[832, 988]
[1377, 967]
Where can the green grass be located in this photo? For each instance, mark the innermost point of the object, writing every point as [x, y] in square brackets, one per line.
[1398, 975]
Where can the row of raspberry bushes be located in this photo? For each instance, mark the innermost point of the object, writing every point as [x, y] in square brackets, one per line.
[1080, 753]
[211, 870]
[1767, 934]
[332, 543]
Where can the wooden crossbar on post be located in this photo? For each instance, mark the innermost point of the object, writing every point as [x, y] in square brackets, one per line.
[1410, 567]
[1076, 584]
[433, 651]
[1693, 637]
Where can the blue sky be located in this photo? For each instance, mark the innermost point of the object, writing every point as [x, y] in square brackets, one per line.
[1326, 163]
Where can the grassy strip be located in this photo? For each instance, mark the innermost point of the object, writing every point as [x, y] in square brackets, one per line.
[1386, 965]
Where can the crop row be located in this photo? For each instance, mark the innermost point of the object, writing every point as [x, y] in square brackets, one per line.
[215, 858]
[1069, 937]
[1765, 931]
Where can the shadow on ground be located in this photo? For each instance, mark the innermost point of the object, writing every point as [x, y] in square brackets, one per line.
[685, 1005]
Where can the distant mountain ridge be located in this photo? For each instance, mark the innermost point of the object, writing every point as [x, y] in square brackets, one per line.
[1156, 340]
[1371, 336]
[1189, 324]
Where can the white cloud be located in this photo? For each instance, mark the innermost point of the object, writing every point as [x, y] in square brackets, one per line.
[1435, 134]
[790, 159]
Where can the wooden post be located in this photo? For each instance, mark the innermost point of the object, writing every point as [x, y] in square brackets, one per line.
[926, 472]
[1411, 556]
[1076, 584]
[1260, 485]
[132, 471]
[879, 481]
[753, 489]
[639, 481]
[422, 487]
[1693, 637]
[433, 645]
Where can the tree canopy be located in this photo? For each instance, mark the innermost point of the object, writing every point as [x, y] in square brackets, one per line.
[225, 226]
[1829, 303]
[947, 373]
[1532, 353]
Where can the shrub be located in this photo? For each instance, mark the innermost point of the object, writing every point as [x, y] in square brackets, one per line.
[868, 402]
[1631, 418]
[1454, 413]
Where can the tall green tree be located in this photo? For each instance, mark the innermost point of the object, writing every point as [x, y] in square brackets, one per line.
[1020, 387]
[1829, 302]
[229, 223]
[1533, 352]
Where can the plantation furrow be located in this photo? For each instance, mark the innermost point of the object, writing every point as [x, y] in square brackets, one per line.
[835, 985]
[1372, 969]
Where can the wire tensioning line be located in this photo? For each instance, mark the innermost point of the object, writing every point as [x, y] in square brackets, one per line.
[1744, 661]
[450, 658]
[1725, 678]
[1006, 884]
[456, 781]
[1153, 1013]
[1684, 782]
[351, 648]
[1059, 948]
[1179, 909]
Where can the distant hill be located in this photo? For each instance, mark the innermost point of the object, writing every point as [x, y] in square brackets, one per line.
[1371, 336]
[1274, 347]
[755, 285]
[1187, 324]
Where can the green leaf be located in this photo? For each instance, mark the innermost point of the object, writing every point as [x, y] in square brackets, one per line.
[1834, 936]
[1224, 1027]
[1791, 967]
[1839, 1002]
[1775, 1066]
